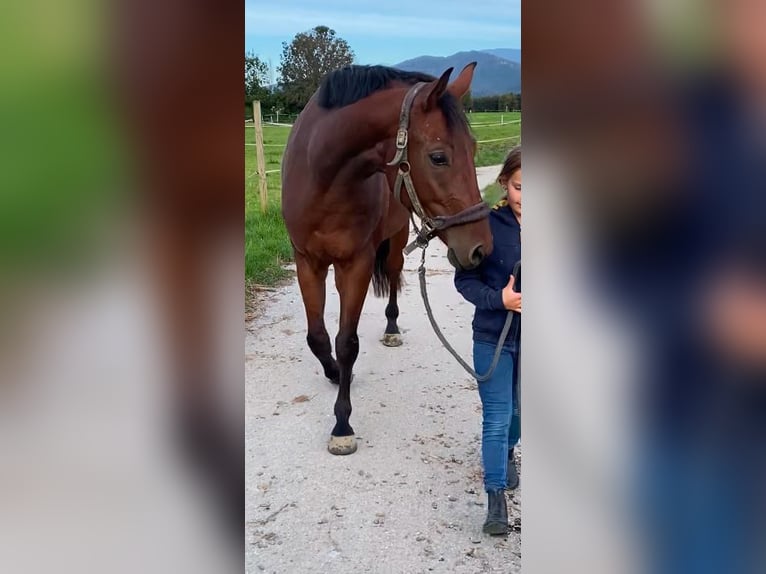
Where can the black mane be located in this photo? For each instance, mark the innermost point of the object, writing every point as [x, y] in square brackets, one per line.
[348, 85]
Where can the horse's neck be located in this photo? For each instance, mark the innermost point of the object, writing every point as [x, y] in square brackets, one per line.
[353, 141]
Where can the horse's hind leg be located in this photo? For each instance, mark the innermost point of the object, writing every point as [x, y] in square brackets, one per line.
[352, 279]
[311, 278]
[394, 264]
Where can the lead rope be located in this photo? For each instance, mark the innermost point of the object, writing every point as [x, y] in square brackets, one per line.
[429, 312]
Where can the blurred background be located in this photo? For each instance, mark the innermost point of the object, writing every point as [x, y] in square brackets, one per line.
[121, 287]
[644, 247]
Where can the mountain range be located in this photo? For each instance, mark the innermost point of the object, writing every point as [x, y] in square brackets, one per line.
[498, 71]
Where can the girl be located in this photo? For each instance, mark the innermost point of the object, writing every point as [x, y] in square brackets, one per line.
[493, 290]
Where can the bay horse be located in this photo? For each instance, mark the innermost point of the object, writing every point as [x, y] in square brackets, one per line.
[365, 134]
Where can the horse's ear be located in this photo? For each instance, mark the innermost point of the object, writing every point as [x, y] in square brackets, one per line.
[462, 83]
[437, 89]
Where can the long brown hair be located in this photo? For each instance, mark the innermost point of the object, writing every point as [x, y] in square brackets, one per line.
[511, 165]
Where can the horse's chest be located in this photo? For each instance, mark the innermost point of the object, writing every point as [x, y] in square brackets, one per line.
[342, 222]
[340, 235]
[336, 244]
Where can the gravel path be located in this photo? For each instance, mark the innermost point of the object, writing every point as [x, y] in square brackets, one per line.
[410, 499]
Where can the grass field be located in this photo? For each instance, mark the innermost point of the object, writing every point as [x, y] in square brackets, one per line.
[267, 246]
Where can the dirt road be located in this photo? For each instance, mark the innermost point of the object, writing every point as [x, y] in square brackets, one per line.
[410, 500]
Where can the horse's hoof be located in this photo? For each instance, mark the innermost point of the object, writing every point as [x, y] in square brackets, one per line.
[342, 445]
[392, 340]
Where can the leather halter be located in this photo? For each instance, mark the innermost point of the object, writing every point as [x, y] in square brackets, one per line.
[430, 226]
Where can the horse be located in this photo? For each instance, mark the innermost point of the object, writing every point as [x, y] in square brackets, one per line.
[365, 134]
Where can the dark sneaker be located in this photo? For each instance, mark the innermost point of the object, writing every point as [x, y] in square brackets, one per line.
[497, 513]
[512, 478]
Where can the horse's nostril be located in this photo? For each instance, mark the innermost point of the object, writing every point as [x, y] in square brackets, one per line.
[477, 255]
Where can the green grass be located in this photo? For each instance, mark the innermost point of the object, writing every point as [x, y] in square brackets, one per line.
[267, 245]
[487, 126]
[493, 153]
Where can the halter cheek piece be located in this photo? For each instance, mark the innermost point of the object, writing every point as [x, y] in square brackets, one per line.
[430, 226]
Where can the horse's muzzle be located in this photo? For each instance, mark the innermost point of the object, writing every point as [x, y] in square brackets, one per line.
[474, 259]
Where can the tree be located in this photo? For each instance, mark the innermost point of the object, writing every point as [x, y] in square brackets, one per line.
[497, 103]
[307, 59]
[256, 78]
[467, 101]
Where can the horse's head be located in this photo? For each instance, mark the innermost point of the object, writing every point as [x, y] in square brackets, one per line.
[440, 150]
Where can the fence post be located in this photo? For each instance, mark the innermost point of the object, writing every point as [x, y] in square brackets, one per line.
[260, 155]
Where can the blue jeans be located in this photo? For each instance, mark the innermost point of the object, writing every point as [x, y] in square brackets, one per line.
[500, 424]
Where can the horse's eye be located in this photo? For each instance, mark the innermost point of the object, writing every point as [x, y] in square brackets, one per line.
[438, 158]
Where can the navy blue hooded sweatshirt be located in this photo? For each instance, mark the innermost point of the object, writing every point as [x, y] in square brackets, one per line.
[483, 286]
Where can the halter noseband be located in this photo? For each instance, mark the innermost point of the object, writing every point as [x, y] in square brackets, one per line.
[430, 226]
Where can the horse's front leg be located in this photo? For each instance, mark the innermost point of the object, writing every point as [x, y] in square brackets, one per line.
[352, 278]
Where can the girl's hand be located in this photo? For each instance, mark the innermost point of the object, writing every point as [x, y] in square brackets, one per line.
[511, 299]
[735, 309]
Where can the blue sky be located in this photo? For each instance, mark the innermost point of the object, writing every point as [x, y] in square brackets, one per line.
[386, 31]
